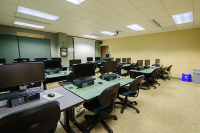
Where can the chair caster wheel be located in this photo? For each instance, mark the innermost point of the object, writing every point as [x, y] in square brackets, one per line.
[169, 79]
[154, 87]
[115, 118]
[88, 131]
[137, 111]
[135, 103]
[110, 131]
[86, 117]
[121, 111]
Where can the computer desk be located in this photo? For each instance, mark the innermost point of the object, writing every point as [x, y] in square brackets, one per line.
[66, 105]
[135, 73]
[55, 78]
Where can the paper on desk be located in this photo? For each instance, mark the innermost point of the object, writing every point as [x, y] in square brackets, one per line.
[57, 95]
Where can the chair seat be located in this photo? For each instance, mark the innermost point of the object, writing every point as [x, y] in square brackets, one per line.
[124, 90]
[151, 78]
[93, 106]
[164, 72]
[65, 83]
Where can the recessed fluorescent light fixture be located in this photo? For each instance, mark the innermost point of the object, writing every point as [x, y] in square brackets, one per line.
[89, 36]
[29, 25]
[36, 13]
[183, 18]
[135, 27]
[108, 32]
[76, 2]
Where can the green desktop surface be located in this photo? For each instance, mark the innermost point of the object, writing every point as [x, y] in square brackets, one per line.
[58, 74]
[143, 71]
[92, 91]
[126, 65]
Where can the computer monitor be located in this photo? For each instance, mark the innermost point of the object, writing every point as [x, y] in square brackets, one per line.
[2, 60]
[40, 59]
[57, 59]
[118, 60]
[124, 60]
[139, 63]
[147, 62]
[128, 59]
[107, 55]
[21, 59]
[97, 58]
[157, 61]
[74, 61]
[52, 64]
[110, 66]
[83, 70]
[21, 73]
[107, 59]
[89, 58]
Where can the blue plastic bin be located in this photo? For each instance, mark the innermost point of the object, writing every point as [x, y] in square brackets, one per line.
[186, 77]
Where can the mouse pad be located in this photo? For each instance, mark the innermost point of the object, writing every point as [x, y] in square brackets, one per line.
[57, 95]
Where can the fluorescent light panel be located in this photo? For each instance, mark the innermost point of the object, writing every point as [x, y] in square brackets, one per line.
[76, 2]
[29, 25]
[89, 36]
[183, 18]
[36, 13]
[135, 27]
[108, 32]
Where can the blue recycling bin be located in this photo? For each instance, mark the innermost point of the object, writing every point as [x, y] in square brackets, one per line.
[186, 77]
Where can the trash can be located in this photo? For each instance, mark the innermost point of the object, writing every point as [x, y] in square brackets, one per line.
[186, 77]
[196, 75]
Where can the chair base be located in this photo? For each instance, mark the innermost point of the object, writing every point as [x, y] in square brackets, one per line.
[125, 102]
[101, 119]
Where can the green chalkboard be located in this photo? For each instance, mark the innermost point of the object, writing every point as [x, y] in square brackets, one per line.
[8, 47]
[34, 48]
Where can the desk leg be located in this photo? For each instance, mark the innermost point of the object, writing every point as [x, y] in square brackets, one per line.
[44, 85]
[133, 75]
[65, 122]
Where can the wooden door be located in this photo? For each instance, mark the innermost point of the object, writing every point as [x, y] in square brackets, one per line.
[103, 51]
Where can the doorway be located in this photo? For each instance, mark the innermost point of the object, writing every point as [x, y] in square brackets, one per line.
[104, 51]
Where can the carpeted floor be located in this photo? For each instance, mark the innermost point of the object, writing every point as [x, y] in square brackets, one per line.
[174, 107]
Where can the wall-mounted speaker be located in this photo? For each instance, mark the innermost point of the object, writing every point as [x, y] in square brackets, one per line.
[100, 42]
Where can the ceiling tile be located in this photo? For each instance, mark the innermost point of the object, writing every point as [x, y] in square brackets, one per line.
[141, 3]
[109, 2]
[160, 14]
[107, 13]
[115, 25]
[145, 32]
[95, 18]
[152, 8]
[7, 6]
[64, 21]
[15, 2]
[175, 3]
[78, 25]
[58, 24]
[197, 6]
[168, 24]
[174, 29]
[86, 21]
[96, 25]
[185, 26]
[7, 12]
[164, 20]
[72, 17]
[125, 23]
[6, 22]
[44, 20]
[45, 2]
[2, 16]
[133, 14]
[141, 19]
[54, 11]
[25, 16]
[181, 9]
[118, 18]
[63, 5]
[156, 30]
[93, 6]
[196, 13]
[106, 22]
[81, 12]
[32, 5]
[197, 24]
[123, 6]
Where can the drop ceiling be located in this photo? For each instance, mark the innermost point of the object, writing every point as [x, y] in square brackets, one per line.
[93, 16]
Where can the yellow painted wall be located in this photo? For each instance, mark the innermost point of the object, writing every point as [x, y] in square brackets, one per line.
[178, 48]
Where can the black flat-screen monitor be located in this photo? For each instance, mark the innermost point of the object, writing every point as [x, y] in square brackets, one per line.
[110, 66]
[97, 58]
[74, 61]
[128, 59]
[139, 63]
[21, 59]
[21, 73]
[157, 61]
[123, 59]
[107, 55]
[2, 60]
[89, 58]
[57, 59]
[84, 70]
[107, 59]
[147, 62]
[40, 59]
[118, 60]
[52, 64]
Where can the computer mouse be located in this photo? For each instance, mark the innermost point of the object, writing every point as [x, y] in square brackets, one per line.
[100, 82]
[51, 95]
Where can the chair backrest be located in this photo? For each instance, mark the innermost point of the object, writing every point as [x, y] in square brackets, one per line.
[169, 68]
[135, 65]
[119, 67]
[70, 77]
[159, 71]
[108, 96]
[40, 118]
[95, 65]
[131, 66]
[154, 73]
[137, 82]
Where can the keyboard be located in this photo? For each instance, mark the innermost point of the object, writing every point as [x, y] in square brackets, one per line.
[80, 81]
[20, 93]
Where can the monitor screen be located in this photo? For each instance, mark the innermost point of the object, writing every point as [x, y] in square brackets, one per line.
[97, 58]
[21, 73]
[89, 58]
[107, 55]
[123, 59]
[40, 59]
[2, 60]
[110, 66]
[140, 63]
[84, 70]
[157, 61]
[128, 59]
[107, 59]
[57, 59]
[51, 64]
[74, 61]
[147, 62]
[118, 60]
[21, 59]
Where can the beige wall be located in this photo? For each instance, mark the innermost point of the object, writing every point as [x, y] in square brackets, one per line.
[178, 48]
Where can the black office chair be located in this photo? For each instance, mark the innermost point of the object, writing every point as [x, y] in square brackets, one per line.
[130, 91]
[119, 69]
[69, 80]
[101, 104]
[41, 118]
[166, 73]
[128, 69]
[150, 79]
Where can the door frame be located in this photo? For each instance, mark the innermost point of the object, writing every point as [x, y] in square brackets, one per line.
[104, 46]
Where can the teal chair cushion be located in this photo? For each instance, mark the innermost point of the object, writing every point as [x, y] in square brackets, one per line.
[65, 83]
[124, 90]
[164, 72]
